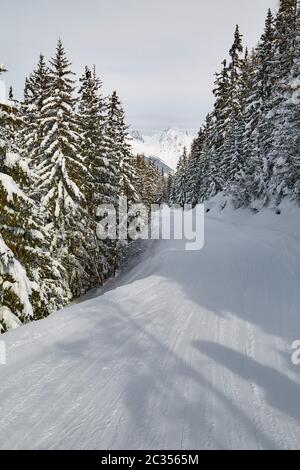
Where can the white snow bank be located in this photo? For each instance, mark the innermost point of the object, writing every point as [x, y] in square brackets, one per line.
[8, 318]
[284, 219]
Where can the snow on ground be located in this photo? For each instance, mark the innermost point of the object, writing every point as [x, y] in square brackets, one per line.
[186, 350]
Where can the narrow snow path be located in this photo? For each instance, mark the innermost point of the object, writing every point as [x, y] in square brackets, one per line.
[190, 350]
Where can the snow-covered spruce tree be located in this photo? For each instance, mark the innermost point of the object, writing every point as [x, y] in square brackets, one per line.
[284, 37]
[286, 135]
[285, 24]
[194, 170]
[91, 115]
[258, 127]
[63, 176]
[162, 187]
[126, 170]
[36, 90]
[169, 189]
[180, 181]
[30, 281]
[293, 103]
[15, 286]
[149, 182]
[116, 172]
[210, 185]
[140, 170]
[231, 148]
[219, 122]
[246, 158]
[109, 179]
[91, 118]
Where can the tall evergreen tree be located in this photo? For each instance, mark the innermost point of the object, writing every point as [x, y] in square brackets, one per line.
[117, 172]
[169, 189]
[36, 91]
[286, 135]
[91, 115]
[231, 148]
[209, 186]
[194, 170]
[218, 125]
[285, 24]
[30, 280]
[117, 138]
[150, 182]
[259, 123]
[63, 175]
[180, 182]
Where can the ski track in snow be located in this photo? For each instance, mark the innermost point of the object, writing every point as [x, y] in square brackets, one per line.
[188, 350]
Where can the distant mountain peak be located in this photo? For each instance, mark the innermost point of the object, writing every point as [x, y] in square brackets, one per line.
[166, 145]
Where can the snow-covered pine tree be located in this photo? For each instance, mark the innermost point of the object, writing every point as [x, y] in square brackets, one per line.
[180, 181]
[63, 175]
[210, 185]
[293, 103]
[231, 147]
[258, 127]
[109, 177]
[219, 123]
[285, 24]
[169, 189]
[36, 90]
[30, 281]
[117, 135]
[140, 170]
[114, 148]
[149, 181]
[162, 187]
[286, 135]
[243, 165]
[91, 117]
[15, 286]
[116, 172]
[194, 170]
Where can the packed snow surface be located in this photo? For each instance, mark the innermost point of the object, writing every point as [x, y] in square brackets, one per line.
[186, 350]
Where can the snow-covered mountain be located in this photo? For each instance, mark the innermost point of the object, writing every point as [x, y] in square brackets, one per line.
[166, 146]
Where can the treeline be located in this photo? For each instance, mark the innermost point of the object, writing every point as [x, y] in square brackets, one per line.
[152, 183]
[62, 154]
[249, 146]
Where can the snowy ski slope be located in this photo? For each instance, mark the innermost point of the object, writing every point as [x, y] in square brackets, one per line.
[187, 350]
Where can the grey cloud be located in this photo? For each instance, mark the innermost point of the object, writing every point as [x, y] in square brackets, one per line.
[159, 54]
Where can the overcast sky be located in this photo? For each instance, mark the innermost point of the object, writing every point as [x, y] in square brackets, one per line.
[160, 55]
